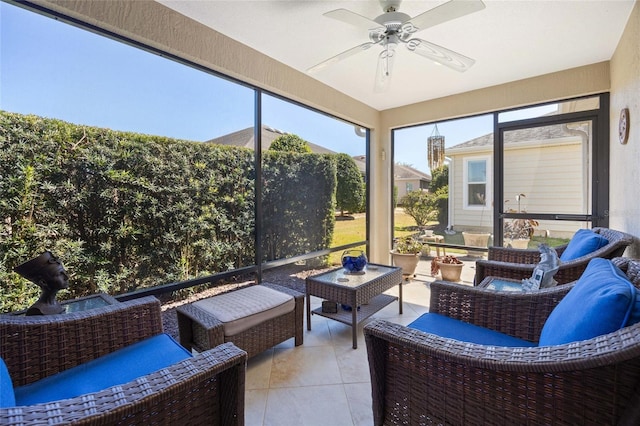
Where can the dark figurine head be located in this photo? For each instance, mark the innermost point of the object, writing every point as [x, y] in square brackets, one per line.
[45, 271]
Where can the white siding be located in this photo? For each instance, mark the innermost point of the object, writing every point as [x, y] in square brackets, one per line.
[551, 179]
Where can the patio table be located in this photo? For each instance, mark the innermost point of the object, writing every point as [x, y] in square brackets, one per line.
[363, 292]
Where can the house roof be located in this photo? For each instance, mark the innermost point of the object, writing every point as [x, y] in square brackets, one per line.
[404, 172]
[518, 136]
[245, 138]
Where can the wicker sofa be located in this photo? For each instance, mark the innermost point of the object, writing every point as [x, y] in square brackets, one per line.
[205, 389]
[421, 378]
[506, 262]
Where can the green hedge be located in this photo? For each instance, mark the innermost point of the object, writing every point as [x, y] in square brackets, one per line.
[126, 211]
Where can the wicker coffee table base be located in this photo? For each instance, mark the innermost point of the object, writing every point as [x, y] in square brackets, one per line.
[368, 296]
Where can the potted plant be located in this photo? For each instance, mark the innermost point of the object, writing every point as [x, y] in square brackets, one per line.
[518, 232]
[450, 267]
[406, 255]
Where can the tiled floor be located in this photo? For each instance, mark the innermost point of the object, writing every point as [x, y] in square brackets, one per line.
[325, 381]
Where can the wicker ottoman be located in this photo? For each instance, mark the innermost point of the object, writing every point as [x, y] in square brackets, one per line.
[254, 318]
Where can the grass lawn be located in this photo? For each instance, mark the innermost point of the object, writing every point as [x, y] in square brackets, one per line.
[354, 229]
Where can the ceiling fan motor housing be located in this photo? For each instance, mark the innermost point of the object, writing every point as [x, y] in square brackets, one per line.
[390, 5]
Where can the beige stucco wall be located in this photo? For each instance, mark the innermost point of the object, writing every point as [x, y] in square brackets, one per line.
[624, 170]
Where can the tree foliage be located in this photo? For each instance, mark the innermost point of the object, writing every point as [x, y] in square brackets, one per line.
[125, 211]
[440, 187]
[439, 178]
[421, 206]
[290, 143]
[350, 194]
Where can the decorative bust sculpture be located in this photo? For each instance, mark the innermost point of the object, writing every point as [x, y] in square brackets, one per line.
[48, 273]
[545, 270]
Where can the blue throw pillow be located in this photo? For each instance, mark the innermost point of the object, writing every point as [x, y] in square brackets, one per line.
[601, 302]
[7, 397]
[584, 241]
[634, 317]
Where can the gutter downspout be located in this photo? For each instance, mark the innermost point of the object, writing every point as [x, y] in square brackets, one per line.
[449, 163]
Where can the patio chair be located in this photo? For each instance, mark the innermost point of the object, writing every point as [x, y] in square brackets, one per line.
[204, 389]
[505, 262]
[423, 378]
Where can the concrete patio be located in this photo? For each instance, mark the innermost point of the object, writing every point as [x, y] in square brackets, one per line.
[325, 381]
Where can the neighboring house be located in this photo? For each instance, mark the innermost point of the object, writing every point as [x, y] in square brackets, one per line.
[408, 179]
[546, 164]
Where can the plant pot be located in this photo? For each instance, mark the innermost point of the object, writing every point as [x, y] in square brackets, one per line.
[450, 271]
[476, 239]
[408, 262]
[518, 243]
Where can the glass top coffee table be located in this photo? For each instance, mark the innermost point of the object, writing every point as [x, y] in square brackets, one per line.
[363, 290]
[501, 284]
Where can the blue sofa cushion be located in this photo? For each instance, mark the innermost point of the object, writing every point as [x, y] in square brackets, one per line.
[600, 302]
[116, 368]
[7, 397]
[583, 242]
[451, 328]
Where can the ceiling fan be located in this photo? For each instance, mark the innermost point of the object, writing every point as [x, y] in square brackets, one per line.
[393, 28]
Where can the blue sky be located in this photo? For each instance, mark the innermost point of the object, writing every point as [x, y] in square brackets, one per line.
[55, 70]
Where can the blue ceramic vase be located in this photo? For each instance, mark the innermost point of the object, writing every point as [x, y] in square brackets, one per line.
[354, 260]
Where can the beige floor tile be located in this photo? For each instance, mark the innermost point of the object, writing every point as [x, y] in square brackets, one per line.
[259, 370]
[304, 366]
[353, 364]
[308, 406]
[255, 405]
[326, 382]
[359, 397]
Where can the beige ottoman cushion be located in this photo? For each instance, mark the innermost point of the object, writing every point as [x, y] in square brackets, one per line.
[245, 308]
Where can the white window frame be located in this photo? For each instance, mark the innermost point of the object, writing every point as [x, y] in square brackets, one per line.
[465, 180]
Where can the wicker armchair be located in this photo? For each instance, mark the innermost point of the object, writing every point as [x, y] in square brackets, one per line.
[517, 264]
[420, 378]
[206, 389]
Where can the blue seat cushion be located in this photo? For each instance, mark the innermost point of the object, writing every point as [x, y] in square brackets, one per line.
[583, 242]
[7, 397]
[116, 368]
[601, 302]
[451, 328]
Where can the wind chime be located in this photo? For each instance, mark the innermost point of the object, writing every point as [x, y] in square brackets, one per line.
[435, 149]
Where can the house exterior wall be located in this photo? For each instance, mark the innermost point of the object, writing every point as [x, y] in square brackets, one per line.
[557, 185]
[404, 184]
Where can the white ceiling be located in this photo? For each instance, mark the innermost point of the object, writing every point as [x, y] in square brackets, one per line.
[510, 40]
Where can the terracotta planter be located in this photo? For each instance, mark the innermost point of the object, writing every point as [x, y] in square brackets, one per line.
[408, 262]
[450, 271]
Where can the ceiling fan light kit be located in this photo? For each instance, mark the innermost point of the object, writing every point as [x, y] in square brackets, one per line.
[393, 28]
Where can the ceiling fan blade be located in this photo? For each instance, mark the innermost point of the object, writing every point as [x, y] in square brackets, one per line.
[339, 57]
[440, 54]
[353, 18]
[445, 12]
[383, 72]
